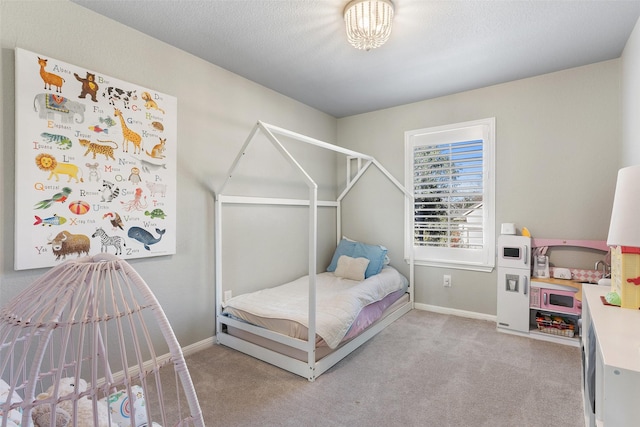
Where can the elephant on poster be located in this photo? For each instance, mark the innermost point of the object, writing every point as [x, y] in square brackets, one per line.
[47, 105]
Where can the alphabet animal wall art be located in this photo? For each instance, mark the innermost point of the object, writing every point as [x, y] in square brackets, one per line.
[96, 162]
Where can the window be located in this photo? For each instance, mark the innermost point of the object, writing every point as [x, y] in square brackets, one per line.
[451, 171]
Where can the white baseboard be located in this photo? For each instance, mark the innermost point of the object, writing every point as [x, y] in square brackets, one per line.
[197, 346]
[456, 312]
[151, 364]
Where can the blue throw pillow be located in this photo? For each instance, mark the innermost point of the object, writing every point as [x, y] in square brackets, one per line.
[374, 253]
[345, 247]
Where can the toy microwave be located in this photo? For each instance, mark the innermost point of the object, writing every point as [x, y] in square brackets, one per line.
[562, 301]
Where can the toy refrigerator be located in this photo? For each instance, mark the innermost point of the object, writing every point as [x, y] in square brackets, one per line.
[514, 274]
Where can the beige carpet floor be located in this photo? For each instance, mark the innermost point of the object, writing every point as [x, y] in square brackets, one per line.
[426, 369]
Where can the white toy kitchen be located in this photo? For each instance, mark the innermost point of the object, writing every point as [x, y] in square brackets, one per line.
[535, 299]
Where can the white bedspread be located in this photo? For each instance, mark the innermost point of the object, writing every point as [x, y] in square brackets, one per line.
[338, 301]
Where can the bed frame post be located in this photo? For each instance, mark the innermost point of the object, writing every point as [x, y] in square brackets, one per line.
[313, 236]
[218, 226]
[313, 249]
[218, 260]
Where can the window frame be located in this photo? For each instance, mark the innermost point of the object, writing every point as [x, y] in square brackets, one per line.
[447, 257]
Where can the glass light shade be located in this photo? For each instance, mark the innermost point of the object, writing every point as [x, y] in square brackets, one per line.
[368, 22]
[624, 229]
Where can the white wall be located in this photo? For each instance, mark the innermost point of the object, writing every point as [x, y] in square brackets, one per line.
[216, 111]
[558, 146]
[631, 100]
[558, 149]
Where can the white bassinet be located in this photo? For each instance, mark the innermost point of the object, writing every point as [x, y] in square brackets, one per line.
[92, 320]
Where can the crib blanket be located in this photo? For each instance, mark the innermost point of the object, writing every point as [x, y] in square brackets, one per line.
[338, 301]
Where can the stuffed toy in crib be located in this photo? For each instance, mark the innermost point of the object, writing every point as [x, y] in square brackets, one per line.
[41, 414]
[14, 416]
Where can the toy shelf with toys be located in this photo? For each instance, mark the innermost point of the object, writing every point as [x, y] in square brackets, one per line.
[561, 322]
[540, 300]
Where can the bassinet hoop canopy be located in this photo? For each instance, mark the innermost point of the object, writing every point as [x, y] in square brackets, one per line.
[93, 319]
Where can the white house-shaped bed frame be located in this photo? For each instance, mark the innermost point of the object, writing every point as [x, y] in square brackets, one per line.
[312, 368]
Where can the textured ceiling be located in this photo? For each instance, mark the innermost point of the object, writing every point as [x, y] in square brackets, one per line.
[299, 47]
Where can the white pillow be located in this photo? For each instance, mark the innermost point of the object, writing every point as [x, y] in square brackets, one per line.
[351, 268]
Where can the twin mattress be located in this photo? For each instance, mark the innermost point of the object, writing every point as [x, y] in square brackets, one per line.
[344, 307]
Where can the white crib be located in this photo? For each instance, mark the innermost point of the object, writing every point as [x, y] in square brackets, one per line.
[92, 320]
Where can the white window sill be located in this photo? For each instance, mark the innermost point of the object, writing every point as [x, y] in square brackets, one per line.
[453, 265]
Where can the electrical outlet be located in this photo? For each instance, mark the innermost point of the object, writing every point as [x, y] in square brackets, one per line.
[446, 282]
[227, 295]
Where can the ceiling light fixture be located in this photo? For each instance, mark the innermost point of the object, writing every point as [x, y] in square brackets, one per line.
[368, 22]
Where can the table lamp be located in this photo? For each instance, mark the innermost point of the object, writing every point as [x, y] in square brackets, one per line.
[624, 238]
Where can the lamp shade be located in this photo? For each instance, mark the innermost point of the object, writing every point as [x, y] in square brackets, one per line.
[368, 22]
[624, 229]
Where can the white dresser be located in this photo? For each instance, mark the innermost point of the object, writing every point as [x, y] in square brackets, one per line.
[611, 361]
